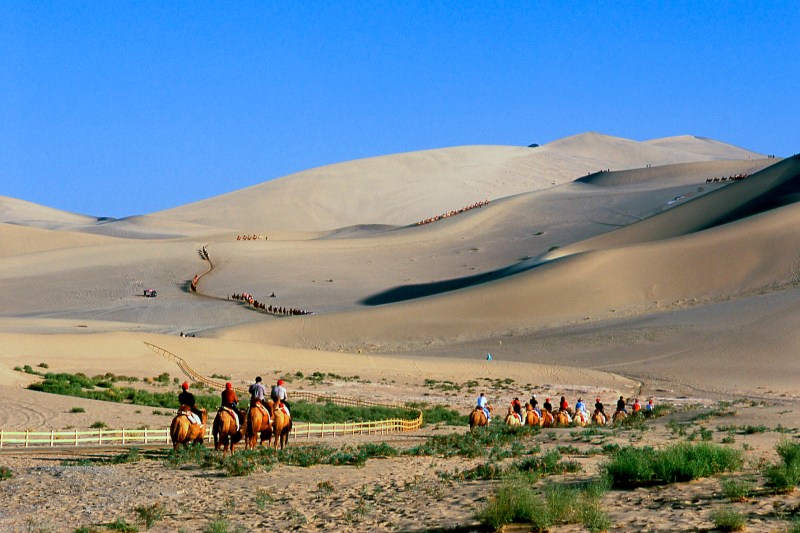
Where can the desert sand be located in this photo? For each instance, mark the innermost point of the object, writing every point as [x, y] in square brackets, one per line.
[599, 266]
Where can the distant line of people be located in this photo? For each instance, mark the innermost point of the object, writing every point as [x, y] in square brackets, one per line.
[580, 410]
[273, 310]
[735, 177]
[253, 237]
[452, 213]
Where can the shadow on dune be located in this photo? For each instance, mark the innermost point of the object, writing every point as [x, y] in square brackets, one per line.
[771, 188]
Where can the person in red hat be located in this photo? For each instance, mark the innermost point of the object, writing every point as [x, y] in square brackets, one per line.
[547, 406]
[278, 394]
[230, 400]
[187, 398]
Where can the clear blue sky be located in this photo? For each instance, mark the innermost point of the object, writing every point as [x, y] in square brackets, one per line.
[114, 108]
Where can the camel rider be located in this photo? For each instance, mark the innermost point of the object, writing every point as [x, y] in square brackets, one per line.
[547, 406]
[517, 406]
[649, 407]
[563, 405]
[636, 405]
[483, 403]
[257, 392]
[580, 406]
[278, 393]
[187, 398]
[230, 401]
[535, 404]
[598, 406]
[621, 405]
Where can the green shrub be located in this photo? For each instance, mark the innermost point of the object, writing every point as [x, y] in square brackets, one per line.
[784, 476]
[515, 501]
[150, 514]
[728, 520]
[99, 425]
[737, 490]
[633, 467]
[121, 525]
[77, 410]
[5, 473]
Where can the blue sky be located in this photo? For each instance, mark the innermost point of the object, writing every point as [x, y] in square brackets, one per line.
[115, 108]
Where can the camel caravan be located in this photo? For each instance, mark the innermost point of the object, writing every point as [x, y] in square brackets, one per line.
[266, 421]
[548, 417]
[253, 237]
[272, 310]
[476, 205]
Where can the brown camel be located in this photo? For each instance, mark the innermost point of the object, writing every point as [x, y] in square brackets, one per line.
[478, 418]
[183, 431]
[511, 418]
[598, 418]
[532, 418]
[619, 416]
[547, 419]
[281, 426]
[258, 423]
[561, 419]
[224, 430]
[580, 419]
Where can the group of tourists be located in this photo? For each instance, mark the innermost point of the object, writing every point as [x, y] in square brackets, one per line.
[453, 213]
[735, 177]
[249, 237]
[580, 409]
[229, 400]
[273, 310]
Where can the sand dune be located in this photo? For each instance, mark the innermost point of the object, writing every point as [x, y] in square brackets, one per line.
[558, 249]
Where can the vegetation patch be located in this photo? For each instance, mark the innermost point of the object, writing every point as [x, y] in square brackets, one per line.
[784, 475]
[635, 467]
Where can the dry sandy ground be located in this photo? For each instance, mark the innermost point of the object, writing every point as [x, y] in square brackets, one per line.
[49, 492]
[599, 266]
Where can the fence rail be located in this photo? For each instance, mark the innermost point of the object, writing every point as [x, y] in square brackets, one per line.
[110, 437]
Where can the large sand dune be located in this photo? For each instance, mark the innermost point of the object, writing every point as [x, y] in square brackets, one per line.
[563, 259]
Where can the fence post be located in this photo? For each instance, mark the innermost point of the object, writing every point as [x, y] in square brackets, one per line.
[52, 434]
[76, 438]
[123, 436]
[1, 438]
[26, 437]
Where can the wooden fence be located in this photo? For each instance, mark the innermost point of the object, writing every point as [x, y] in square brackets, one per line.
[133, 437]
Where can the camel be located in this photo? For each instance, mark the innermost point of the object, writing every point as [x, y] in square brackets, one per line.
[619, 416]
[478, 418]
[561, 419]
[532, 418]
[258, 422]
[224, 430]
[580, 419]
[598, 418]
[511, 418]
[281, 426]
[547, 419]
[183, 431]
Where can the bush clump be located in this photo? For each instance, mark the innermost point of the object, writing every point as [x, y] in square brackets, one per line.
[634, 467]
[784, 476]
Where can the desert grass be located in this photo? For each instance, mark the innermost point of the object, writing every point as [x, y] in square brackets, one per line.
[5, 473]
[784, 475]
[634, 467]
[737, 490]
[150, 514]
[727, 519]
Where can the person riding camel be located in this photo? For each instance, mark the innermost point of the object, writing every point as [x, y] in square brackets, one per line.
[621, 405]
[563, 405]
[547, 406]
[636, 405]
[598, 406]
[278, 393]
[535, 404]
[517, 407]
[649, 407]
[281, 406]
[581, 407]
[483, 403]
[257, 393]
[187, 398]
[230, 401]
